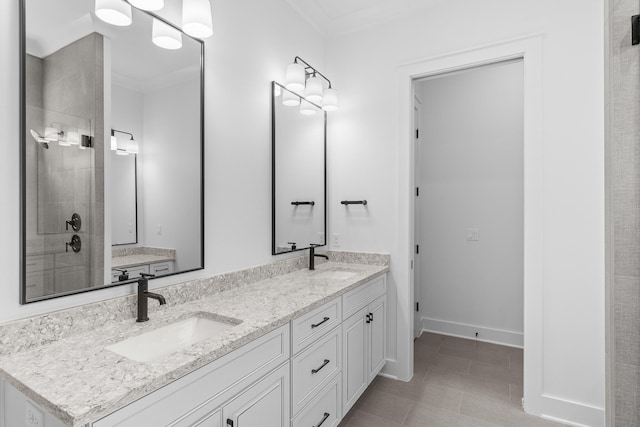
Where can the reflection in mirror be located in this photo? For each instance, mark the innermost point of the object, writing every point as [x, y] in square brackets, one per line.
[82, 77]
[124, 202]
[299, 172]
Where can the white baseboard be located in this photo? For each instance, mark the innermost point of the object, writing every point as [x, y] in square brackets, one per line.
[462, 330]
[568, 412]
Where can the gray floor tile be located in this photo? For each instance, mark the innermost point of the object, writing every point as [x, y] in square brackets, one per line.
[363, 419]
[384, 405]
[456, 383]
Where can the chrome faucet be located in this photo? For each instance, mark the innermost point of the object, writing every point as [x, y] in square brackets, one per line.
[313, 255]
[144, 295]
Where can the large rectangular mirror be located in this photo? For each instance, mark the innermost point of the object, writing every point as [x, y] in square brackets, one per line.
[111, 149]
[299, 172]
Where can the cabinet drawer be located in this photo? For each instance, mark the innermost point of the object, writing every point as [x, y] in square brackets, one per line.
[354, 300]
[192, 398]
[313, 325]
[314, 367]
[325, 409]
[161, 268]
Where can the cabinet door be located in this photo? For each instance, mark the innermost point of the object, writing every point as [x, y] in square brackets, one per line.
[354, 367]
[265, 404]
[377, 334]
[213, 420]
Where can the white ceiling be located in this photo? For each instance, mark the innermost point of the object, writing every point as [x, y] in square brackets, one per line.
[336, 17]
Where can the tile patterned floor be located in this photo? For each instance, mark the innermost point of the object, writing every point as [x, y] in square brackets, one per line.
[456, 383]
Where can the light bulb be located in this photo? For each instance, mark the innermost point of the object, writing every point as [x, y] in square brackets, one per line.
[294, 79]
[196, 18]
[114, 12]
[165, 35]
[147, 4]
[313, 89]
[330, 100]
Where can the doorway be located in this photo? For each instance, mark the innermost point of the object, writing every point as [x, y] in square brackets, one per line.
[469, 206]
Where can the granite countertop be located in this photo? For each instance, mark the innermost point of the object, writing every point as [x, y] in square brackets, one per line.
[138, 259]
[77, 380]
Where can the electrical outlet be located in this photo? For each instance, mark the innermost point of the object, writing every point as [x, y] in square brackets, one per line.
[472, 234]
[33, 417]
[335, 240]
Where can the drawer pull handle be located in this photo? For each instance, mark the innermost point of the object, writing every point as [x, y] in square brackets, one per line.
[326, 415]
[158, 270]
[229, 422]
[369, 318]
[315, 371]
[326, 319]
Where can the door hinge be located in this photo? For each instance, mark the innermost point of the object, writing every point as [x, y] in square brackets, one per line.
[417, 191]
[417, 249]
[417, 306]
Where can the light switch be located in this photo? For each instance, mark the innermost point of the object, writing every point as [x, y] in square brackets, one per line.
[472, 234]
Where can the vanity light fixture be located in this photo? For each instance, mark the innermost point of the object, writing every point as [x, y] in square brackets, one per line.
[290, 99]
[151, 5]
[114, 141]
[165, 36]
[307, 108]
[114, 12]
[196, 18]
[131, 147]
[302, 76]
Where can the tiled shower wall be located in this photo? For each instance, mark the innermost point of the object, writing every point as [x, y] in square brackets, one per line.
[623, 209]
[66, 88]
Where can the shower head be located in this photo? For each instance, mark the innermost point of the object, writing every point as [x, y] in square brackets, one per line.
[39, 139]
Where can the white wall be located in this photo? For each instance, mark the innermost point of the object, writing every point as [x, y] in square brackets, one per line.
[471, 177]
[170, 155]
[126, 115]
[364, 146]
[253, 41]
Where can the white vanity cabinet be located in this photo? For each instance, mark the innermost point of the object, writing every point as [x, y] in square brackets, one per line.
[230, 386]
[364, 338]
[308, 372]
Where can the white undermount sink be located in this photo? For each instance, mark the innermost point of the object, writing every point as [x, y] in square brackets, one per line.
[168, 339]
[335, 274]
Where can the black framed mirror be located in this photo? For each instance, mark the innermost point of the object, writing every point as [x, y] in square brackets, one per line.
[91, 91]
[299, 172]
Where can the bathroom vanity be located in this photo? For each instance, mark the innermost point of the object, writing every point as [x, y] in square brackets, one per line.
[298, 350]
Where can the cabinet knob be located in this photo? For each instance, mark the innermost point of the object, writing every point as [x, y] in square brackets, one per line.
[229, 422]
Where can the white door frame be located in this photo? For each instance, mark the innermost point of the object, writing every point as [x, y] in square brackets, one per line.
[530, 50]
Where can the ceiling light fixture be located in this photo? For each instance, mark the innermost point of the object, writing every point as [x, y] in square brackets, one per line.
[302, 76]
[114, 12]
[196, 18]
[165, 36]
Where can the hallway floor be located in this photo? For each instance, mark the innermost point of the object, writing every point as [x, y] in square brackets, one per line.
[456, 382]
